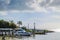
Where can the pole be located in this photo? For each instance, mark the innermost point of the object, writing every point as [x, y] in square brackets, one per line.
[28, 26]
[34, 30]
[34, 27]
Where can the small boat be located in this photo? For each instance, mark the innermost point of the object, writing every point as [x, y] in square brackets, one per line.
[22, 32]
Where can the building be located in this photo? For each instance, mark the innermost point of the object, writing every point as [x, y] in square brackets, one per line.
[6, 31]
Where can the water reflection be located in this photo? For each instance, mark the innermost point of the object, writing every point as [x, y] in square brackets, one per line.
[49, 36]
[17, 37]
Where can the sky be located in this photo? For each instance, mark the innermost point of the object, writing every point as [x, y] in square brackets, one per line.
[45, 13]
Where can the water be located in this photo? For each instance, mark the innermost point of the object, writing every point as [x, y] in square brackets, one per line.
[49, 36]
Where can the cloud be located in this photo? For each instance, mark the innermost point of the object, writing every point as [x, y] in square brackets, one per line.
[7, 2]
[14, 5]
[45, 6]
[45, 3]
[3, 12]
[49, 5]
[52, 25]
[55, 3]
[56, 16]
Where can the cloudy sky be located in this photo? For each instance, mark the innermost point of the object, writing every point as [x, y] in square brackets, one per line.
[45, 13]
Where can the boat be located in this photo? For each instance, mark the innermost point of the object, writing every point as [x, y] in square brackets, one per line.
[21, 32]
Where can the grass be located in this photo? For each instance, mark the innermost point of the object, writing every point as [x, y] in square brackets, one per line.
[7, 38]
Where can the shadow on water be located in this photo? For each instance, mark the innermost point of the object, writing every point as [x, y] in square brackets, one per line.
[19, 37]
[16, 37]
[33, 36]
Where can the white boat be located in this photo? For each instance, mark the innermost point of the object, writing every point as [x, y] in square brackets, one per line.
[22, 32]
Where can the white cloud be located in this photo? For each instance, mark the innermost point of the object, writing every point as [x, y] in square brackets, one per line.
[47, 8]
[50, 1]
[35, 5]
[48, 25]
[52, 25]
[56, 16]
[7, 1]
[3, 12]
[53, 5]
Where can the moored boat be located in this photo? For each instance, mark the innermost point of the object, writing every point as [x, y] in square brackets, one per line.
[21, 32]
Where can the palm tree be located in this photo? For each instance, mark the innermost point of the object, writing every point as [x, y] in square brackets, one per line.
[19, 23]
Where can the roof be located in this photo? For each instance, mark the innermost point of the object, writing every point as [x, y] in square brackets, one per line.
[6, 29]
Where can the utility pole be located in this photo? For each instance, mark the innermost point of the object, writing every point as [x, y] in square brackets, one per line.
[34, 27]
[34, 30]
[28, 26]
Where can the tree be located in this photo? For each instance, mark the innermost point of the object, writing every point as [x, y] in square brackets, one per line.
[27, 30]
[24, 27]
[12, 24]
[19, 23]
[6, 24]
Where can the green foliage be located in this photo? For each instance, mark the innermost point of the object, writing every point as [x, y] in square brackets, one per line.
[6, 24]
[27, 30]
[46, 30]
[24, 28]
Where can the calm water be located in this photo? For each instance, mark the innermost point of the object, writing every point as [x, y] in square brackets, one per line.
[49, 36]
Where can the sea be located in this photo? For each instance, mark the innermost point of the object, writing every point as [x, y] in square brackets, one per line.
[48, 36]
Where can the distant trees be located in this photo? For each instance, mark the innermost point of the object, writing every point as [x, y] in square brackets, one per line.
[6, 24]
[19, 23]
[10, 24]
[27, 30]
[24, 27]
